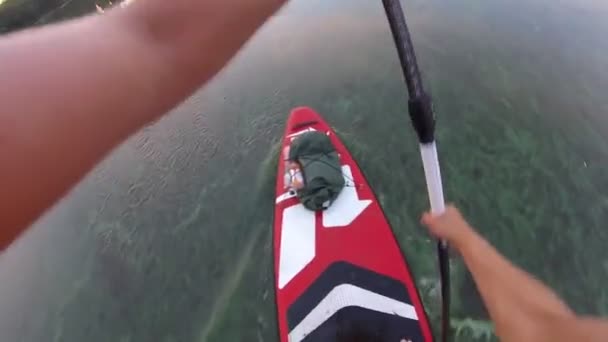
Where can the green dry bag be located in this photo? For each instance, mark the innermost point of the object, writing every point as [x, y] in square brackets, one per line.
[320, 165]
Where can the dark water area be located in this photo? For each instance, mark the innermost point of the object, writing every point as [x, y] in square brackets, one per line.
[169, 239]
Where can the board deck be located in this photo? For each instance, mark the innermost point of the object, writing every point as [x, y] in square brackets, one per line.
[340, 274]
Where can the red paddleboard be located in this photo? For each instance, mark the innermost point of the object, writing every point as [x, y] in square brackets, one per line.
[340, 274]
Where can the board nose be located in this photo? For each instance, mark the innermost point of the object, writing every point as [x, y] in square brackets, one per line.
[302, 117]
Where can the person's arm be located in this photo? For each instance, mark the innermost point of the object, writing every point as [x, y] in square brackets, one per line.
[522, 308]
[71, 92]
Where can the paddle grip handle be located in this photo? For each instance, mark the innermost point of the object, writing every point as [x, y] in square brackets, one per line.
[432, 173]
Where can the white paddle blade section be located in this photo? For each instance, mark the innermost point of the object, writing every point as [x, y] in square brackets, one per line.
[347, 295]
[430, 161]
[297, 242]
[347, 206]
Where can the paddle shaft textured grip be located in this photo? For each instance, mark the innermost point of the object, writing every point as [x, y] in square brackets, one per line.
[405, 48]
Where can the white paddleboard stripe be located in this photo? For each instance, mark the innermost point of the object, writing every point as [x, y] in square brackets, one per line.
[297, 242]
[285, 196]
[294, 135]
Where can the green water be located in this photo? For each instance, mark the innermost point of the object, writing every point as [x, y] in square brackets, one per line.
[169, 238]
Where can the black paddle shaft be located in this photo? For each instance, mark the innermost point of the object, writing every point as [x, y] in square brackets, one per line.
[405, 48]
[423, 120]
[420, 106]
[444, 271]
